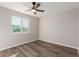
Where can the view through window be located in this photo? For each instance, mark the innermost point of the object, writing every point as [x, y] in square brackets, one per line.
[20, 24]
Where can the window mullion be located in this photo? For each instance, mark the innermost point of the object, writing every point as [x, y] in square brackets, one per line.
[21, 24]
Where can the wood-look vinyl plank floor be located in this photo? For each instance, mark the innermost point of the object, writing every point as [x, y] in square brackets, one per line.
[36, 49]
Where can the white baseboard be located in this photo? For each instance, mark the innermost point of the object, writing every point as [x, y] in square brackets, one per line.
[35, 40]
[17, 45]
[59, 44]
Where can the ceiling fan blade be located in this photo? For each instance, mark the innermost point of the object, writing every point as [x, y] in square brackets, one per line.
[39, 10]
[37, 5]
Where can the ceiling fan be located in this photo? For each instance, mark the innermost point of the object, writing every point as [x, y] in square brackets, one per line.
[35, 8]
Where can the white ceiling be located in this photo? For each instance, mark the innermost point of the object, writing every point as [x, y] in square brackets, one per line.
[49, 7]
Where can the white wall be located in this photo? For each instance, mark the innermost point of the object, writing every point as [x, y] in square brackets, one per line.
[60, 28]
[78, 31]
[7, 39]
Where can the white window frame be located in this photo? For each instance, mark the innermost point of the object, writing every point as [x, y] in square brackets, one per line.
[21, 26]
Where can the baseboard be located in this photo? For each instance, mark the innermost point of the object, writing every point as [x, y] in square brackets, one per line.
[17, 45]
[59, 44]
[67, 48]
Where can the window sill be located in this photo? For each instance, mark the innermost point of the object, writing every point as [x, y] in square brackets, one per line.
[20, 33]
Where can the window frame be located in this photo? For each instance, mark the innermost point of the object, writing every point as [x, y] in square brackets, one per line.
[21, 26]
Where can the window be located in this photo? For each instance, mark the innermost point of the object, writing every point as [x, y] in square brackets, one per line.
[20, 24]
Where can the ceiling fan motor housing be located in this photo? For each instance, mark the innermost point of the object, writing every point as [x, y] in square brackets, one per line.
[34, 3]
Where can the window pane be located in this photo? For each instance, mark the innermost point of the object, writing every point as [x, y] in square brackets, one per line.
[25, 25]
[16, 24]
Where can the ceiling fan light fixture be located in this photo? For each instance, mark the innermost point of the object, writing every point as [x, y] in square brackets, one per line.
[33, 10]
